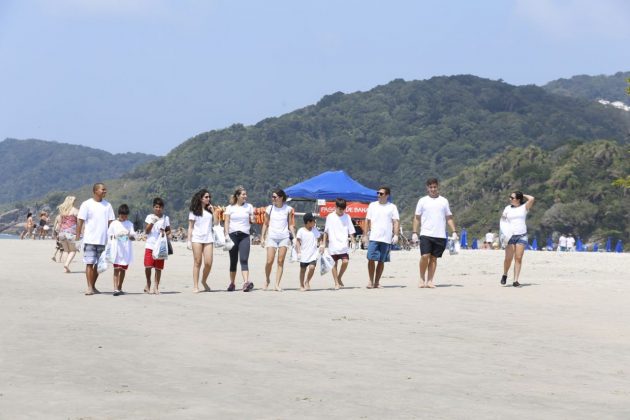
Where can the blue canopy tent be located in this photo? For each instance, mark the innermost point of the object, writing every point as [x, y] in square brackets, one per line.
[579, 246]
[609, 245]
[331, 185]
[549, 243]
[464, 239]
[619, 246]
[596, 247]
[535, 244]
[474, 245]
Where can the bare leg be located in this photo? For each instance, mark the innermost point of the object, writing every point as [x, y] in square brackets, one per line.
[379, 271]
[309, 276]
[116, 276]
[335, 275]
[271, 254]
[509, 255]
[156, 286]
[147, 274]
[91, 275]
[342, 269]
[302, 275]
[69, 258]
[197, 250]
[121, 278]
[207, 265]
[371, 270]
[424, 265]
[518, 261]
[432, 268]
[282, 253]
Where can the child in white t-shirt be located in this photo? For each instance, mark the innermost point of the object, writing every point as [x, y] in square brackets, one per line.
[157, 224]
[306, 247]
[338, 230]
[121, 230]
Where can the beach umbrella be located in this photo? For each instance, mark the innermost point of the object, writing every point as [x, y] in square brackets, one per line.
[535, 244]
[464, 239]
[549, 243]
[595, 247]
[609, 245]
[579, 246]
[619, 246]
[474, 244]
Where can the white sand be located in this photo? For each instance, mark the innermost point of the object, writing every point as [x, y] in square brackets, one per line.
[557, 348]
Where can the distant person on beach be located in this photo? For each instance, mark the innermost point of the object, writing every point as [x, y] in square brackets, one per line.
[95, 215]
[121, 231]
[55, 234]
[562, 243]
[432, 215]
[237, 220]
[28, 227]
[382, 227]
[277, 233]
[337, 231]
[201, 237]
[68, 229]
[306, 247]
[515, 214]
[157, 224]
[570, 243]
[43, 227]
[489, 240]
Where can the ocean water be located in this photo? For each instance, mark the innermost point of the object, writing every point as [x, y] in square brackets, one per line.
[7, 236]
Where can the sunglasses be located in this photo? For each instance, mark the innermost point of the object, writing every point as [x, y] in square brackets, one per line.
[380, 193]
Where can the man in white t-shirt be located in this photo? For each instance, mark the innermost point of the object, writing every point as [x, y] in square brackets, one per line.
[95, 214]
[432, 215]
[337, 230]
[383, 225]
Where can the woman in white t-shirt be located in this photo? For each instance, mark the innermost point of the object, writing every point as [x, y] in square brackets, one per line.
[277, 234]
[515, 215]
[238, 217]
[200, 237]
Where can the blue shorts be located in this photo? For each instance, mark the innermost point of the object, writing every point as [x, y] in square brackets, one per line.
[91, 253]
[378, 251]
[519, 240]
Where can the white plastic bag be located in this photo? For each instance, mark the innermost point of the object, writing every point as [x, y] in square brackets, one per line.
[228, 244]
[294, 255]
[326, 263]
[160, 249]
[102, 264]
[219, 236]
[111, 250]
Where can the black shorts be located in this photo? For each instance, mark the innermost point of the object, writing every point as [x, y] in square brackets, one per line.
[306, 264]
[433, 246]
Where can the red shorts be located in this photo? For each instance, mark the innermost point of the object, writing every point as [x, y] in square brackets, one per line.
[149, 262]
[342, 257]
[121, 267]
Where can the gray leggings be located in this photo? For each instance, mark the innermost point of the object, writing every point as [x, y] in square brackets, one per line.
[240, 248]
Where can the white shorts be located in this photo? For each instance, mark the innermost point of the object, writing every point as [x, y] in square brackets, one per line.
[278, 243]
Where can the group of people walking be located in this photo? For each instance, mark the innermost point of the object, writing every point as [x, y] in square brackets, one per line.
[95, 222]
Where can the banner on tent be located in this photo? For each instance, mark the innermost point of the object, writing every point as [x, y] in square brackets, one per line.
[353, 209]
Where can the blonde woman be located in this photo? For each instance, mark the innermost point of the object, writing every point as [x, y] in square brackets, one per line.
[68, 229]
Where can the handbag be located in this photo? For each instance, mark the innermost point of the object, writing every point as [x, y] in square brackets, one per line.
[169, 246]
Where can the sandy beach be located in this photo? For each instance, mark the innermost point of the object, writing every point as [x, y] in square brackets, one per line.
[559, 347]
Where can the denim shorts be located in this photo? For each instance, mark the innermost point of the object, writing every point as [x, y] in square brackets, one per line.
[91, 253]
[378, 251]
[278, 243]
[519, 240]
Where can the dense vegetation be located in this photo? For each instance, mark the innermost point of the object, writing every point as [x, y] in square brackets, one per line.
[611, 88]
[33, 168]
[573, 187]
[396, 134]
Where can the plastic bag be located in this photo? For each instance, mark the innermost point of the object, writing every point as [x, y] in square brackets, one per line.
[326, 263]
[102, 264]
[160, 249]
[228, 244]
[294, 255]
[219, 236]
[111, 250]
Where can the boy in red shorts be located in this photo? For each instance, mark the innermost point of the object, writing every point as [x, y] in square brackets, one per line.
[157, 224]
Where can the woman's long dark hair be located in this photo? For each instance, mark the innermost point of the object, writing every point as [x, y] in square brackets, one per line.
[196, 203]
[519, 196]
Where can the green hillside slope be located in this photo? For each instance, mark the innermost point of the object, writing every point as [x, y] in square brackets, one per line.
[612, 88]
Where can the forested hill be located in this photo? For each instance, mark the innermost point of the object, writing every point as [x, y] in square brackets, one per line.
[396, 134]
[572, 185]
[33, 168]
[611, 88]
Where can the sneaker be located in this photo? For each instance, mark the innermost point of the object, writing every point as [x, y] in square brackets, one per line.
[117, 292]
[248, 286]
[231, 287]
[516, 284]
[503, 279]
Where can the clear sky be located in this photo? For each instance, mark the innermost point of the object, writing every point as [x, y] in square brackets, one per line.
[145, 75]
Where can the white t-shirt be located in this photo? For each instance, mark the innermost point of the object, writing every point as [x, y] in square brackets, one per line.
[433, 213]
[562, 241]
[278, 222]
[202, 227]
[516, 218]
[308, 244]
[490, 237]
[239, 217]
[122, 232]
[338, 228]
[570, 242]
[152, 236]
[382, 218]
[96, 216]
